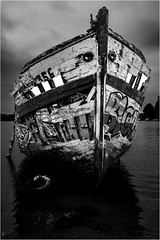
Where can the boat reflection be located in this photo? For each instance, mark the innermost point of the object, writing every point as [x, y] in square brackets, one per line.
[69, 208]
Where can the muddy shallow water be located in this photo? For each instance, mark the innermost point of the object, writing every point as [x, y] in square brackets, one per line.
[124, 206]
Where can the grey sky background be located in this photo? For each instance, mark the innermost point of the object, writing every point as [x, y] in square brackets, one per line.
[30, 27]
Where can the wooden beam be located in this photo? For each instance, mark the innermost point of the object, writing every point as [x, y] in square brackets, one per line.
[68, 129]
[70, 111]
[77, 123]
[89, 125]
[102, 39]
[60, 132]
[54, 95]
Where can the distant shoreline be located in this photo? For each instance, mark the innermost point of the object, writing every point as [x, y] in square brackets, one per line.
[7, 117]
[148, 120]
[10, 117]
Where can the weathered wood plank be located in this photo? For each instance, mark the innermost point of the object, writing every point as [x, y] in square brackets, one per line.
[53, 95]
[90, 126]
[42, 135]
[146, 70]
[21, 98]
[91, 94]
[69, 76]
[125, 57]
[125, 52]
[69, 62]
[41, 132]
[31, 123]
[121, 66]
[77, 123]
[66, 60]
[60, 132]
[63, 127]
[68, 129]
[69, 111]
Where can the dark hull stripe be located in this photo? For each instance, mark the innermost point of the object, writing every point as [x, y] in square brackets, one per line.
[54, 95]
[125, 88]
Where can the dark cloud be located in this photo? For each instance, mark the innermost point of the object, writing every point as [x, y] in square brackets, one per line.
[30, 33]
[147, 33]
[62, 6]
[6, 23]
[137, 21]
[11, 66]
[10, 61]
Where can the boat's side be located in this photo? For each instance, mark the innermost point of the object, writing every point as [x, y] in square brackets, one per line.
[127, 79]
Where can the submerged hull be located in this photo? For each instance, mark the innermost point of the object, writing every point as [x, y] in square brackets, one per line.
[80, 100]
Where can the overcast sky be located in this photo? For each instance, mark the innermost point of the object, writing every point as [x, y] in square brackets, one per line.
[31, 27]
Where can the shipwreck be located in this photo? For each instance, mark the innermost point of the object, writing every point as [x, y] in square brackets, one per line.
[80, 100]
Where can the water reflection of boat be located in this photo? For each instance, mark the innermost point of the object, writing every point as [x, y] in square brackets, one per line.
[79, 101]
[112, 213]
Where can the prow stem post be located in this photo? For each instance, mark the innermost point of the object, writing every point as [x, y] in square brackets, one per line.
[102, 40]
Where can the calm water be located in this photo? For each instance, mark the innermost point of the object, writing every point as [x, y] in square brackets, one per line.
[126, 206]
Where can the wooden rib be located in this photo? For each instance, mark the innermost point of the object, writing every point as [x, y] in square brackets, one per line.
[65, 132]
[89, 125]
[34, 134]
[41, 134]
[68, 129]
[30, 121]
[60, 132]
[91, 93]
[78, 128]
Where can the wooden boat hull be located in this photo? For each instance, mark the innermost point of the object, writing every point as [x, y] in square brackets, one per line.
[80, 100]
[80, 151]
